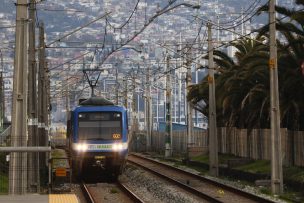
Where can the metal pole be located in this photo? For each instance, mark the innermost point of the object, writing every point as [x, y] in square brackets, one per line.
[190, 140]
[116, 76]
[48, 102]
[25, 149]
[149, 109]
[18, 161]
[45, 106]
[41, 79]
[213, 154]
[32, 100]
[179, 97]
[168, 145]
[175, 96]
[67, 95]
[157, 106]
[276, 149]
[2, 99]
[134, 114]
[137, 111]
[125, 81]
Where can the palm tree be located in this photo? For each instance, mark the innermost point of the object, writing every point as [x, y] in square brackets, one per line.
[290, 60]
[240, 97]
[242, 83]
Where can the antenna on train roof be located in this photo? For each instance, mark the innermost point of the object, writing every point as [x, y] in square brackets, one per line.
[96, 101]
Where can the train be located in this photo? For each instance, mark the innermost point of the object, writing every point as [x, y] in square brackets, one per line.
[97, 133]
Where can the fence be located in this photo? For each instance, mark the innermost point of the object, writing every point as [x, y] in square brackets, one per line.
[254, 144]
[179, 141]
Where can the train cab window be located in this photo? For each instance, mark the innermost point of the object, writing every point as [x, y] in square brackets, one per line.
[99, 126]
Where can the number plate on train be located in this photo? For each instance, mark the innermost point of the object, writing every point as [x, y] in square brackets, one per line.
[101, 146]
[116, 136]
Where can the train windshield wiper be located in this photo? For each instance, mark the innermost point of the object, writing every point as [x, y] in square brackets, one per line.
[95, 139]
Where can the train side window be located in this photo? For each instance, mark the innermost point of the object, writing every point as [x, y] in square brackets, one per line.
[126, 117]
[72, 123]
[69, 122]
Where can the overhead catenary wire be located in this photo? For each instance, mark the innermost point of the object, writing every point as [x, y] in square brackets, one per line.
[165, 9]
[77, 29]
[128, 20]
[251, 7]
[226, 44]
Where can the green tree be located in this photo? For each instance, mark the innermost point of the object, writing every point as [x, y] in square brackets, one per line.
[242, 82]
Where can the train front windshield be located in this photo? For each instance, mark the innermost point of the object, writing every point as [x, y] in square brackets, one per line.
[99, 126]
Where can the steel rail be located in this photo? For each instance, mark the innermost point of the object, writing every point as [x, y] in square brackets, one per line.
[129, 193]
[180, 184]
[87, 195]
[201, 178]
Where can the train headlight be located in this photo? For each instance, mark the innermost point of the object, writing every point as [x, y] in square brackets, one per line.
[117, 147]
[81, 147]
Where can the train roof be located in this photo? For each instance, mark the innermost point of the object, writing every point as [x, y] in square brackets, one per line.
[96, 101]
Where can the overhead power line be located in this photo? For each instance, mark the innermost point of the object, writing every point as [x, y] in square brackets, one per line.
[76, 30]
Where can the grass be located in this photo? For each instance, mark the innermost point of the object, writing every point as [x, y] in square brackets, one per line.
[258, 166]
[263, 167]
[3, 174]
[223, 158]
[265, 190]
[203, 159]
[3, 183]
[113, 191]
[292, 196]
[294, 173]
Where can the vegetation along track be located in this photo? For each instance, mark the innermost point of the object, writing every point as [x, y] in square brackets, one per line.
[91, 198]
[205, 188]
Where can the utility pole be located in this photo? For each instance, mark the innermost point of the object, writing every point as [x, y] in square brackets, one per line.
[45, 106]
[67, 91]
[134, 113]
[41, 84]
[168, 146]
[148, 109]
[157, 106]
[1, 93]
[18, 161]
[32, 100]
[1, 102]
[48, 102]
[125, 81]
[276, 149]
[117, 85]
[190, 141]
[213, 151]
[180, 76]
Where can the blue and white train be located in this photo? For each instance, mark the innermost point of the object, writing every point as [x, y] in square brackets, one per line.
[98, 136]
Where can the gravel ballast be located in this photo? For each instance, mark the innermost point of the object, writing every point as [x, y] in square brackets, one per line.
[152, 189]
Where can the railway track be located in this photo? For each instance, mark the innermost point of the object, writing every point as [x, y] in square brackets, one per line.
[200, 186]
[130, 194]
[87, 193]
[91, 198]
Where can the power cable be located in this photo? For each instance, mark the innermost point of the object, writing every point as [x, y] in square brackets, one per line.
[128, 20]
[250, 7]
